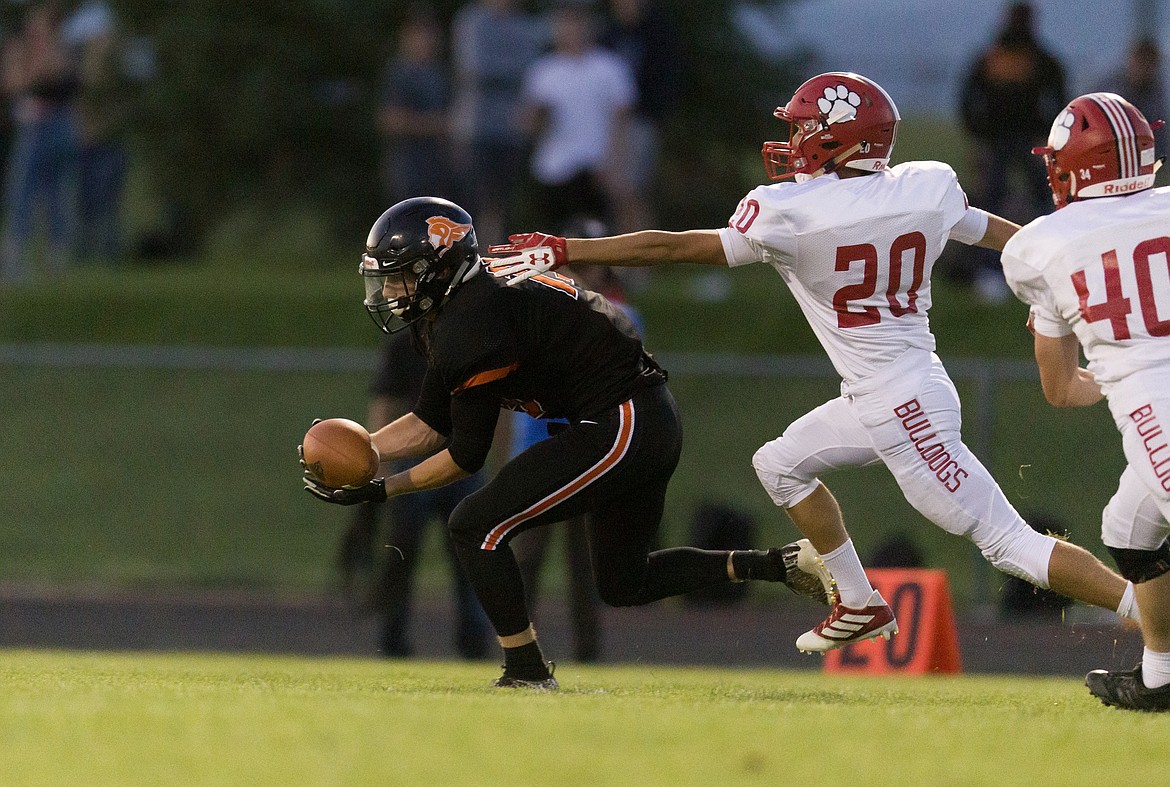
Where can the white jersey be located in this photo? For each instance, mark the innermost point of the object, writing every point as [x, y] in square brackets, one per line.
[583, 95]
[1100, 268]
[857, 254]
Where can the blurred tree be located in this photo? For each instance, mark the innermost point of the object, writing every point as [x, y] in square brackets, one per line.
[262, 105]
[711, 152]
[267, 105]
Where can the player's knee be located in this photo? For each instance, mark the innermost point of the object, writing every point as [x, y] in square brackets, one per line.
[780, 479]
[466, 525]
[1142, 565]
[1022, 553]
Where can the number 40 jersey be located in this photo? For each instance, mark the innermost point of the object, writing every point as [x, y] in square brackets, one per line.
[1100, 268]
[857, 254]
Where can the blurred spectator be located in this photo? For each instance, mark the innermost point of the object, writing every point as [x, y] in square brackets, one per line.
[644, 34]
[1140, 82]
[1007, 104]
[40, 79]
[103, 114]
[412, 118]
[898, 550]
[493, 43]
[393, 390]
[7, 125]
[531, 546]
[577, 101]
[89, 19]
[721, 526]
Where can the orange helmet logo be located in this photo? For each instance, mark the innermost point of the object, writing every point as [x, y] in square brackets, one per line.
[444, 232]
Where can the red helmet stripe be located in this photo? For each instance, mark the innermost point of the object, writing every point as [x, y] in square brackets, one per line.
[1127, 150]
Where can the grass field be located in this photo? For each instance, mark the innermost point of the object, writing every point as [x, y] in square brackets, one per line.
[97, 719]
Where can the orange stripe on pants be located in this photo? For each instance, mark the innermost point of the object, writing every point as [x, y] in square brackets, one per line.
[603, 466]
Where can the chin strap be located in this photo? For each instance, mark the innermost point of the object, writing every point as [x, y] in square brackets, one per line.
[465, 271]
[831, 165]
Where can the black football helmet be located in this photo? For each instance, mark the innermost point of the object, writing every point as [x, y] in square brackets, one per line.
[428, 242]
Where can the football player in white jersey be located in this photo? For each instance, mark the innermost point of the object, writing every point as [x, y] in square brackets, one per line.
[855, 240]
[1096, 274]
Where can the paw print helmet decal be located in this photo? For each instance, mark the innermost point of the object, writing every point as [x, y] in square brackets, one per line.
[834, 120]
[1100, 145]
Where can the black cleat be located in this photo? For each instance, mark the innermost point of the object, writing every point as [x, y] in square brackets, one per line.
[805, 573]
[1126, 690]
[549, 683]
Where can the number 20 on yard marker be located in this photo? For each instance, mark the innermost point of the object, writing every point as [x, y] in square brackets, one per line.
[926, 642]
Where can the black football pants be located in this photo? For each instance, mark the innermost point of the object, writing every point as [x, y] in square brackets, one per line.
[615, 467]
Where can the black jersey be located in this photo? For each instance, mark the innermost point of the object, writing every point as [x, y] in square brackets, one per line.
[545, 347]
[401, 369]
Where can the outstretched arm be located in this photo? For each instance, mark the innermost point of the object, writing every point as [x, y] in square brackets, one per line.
[533, 253]
[649, 247]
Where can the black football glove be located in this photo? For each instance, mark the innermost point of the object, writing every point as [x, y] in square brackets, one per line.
[373, 492]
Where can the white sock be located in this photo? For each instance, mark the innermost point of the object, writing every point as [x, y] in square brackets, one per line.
[1155, 668]
[1128, 607]
[852, 583]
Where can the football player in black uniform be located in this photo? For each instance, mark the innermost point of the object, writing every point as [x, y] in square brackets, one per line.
[552, 350]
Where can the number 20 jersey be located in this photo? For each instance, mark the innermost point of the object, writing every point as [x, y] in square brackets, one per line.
[856, 253]
[1100, 268]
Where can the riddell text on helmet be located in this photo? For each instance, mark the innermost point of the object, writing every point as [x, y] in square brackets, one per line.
[925, 439]
[1125, 187]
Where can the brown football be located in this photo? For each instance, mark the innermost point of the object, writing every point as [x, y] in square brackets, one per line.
[339, 452]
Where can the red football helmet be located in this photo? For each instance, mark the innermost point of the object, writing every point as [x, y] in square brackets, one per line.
[836, 119]
[1100, 145]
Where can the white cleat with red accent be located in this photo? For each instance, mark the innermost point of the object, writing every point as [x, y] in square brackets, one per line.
[846, 625]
